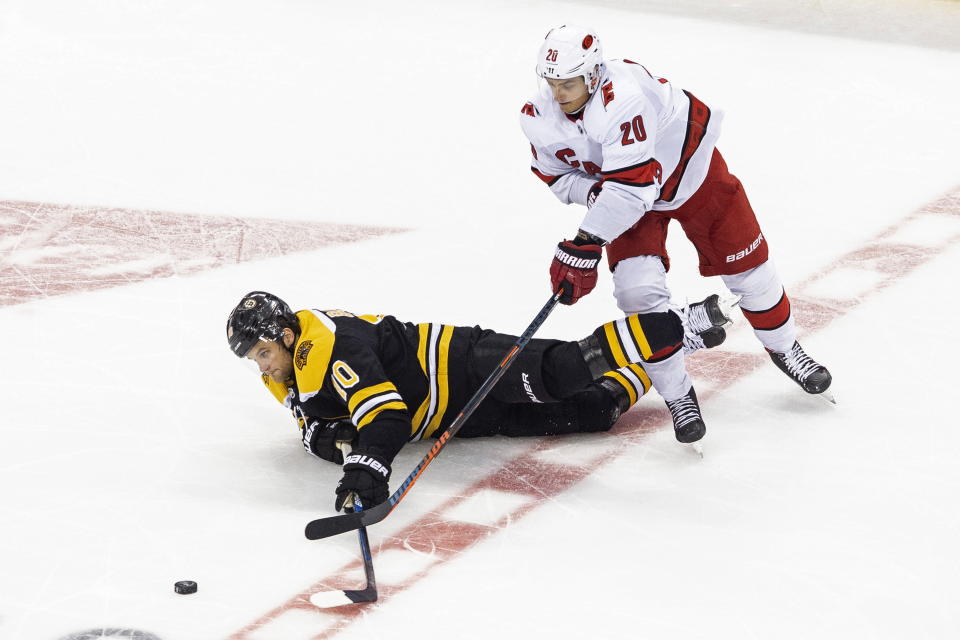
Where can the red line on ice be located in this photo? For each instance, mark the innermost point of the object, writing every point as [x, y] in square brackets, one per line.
[51, 249]
[530, 476]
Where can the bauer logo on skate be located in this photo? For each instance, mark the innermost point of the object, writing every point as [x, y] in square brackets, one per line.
[733, 257]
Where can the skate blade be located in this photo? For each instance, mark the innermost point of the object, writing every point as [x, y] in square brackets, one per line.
[697, 448]
[828, 396]
[727, 305]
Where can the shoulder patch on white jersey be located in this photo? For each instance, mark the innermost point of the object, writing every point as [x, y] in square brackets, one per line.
[607, 93]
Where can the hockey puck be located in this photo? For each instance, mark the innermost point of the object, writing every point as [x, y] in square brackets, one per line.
[185, 586]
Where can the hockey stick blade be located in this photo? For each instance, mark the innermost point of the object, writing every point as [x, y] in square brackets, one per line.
[331, 599]
[335, 525]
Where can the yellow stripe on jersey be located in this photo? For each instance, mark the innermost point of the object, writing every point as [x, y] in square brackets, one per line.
[641, 339]
[610, 331]
[443, 385]
[398, 405]
[363, 394]
[374, 405]
[422, 358]
[433, 353]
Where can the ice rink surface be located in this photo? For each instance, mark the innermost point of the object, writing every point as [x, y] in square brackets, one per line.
[159, 159]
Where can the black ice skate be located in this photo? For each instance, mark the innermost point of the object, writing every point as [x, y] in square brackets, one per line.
[704, 322]
[812, 376]
[688, 424]
[707, 339]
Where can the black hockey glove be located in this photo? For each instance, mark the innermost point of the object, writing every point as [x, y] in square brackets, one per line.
[320, 438]
[367, 477]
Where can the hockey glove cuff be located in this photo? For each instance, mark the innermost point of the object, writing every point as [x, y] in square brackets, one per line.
[367, 476]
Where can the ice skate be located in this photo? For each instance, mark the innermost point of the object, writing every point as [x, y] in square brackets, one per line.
[707, 339]
[704, 322]
[688, 424]
[812, 376]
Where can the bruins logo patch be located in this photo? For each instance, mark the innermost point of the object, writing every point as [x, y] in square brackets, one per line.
[302, 352]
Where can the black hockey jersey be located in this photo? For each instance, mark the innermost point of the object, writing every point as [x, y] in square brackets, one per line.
[372, 369]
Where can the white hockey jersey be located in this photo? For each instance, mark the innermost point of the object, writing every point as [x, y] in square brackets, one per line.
[647, 140]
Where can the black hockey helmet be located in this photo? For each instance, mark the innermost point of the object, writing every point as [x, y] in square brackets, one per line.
[259, 316]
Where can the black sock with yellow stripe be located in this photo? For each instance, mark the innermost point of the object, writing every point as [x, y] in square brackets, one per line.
[642, 337]
[627, 384]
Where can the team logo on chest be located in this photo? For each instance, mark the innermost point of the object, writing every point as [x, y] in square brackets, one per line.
[569, 157]
[300, 360]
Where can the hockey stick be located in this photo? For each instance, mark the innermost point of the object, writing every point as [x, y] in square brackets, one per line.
[328, 599]
[333, 525]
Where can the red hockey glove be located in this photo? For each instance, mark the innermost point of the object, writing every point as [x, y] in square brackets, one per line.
[574, 270]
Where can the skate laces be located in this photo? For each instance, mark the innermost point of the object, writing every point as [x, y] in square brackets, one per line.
[684, 410]
[696, 318]
[798, 363]
[692, 342]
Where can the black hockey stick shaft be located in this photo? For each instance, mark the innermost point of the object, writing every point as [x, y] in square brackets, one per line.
[368, 594]
[329, 599]
[333, 525]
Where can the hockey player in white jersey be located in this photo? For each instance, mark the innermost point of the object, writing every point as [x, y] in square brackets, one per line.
[638, 151]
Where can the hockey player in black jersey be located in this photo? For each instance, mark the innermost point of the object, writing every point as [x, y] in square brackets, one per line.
[378, 383]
